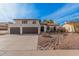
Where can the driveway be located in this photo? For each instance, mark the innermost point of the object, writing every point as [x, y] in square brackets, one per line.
[18, 42]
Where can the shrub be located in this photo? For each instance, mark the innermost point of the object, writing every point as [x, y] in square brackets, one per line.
[61, 29]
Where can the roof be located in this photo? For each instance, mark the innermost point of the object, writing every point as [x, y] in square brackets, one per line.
[6, 23]
[72, 23]
[52, 24]
[27, 19]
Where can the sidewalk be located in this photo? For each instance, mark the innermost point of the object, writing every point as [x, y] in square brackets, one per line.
[40, 53]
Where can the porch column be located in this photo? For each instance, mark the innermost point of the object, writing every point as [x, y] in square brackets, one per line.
[8, 30]
[45, 28]
[20, 30]
[39, 30]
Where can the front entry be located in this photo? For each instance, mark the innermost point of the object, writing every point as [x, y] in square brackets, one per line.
[42, 28]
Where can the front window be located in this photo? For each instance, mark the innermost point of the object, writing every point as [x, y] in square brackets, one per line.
[34, 22]
[24, 22]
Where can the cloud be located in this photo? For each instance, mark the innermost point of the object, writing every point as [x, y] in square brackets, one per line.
[7, 11]
[64, 11]
[72, 17]
[26, 11]
[10, 11]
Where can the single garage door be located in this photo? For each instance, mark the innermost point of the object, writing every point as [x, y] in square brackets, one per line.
[30, 30]
[15, 30]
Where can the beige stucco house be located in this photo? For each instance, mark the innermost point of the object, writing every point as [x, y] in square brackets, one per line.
[71, 26]
[24, 26]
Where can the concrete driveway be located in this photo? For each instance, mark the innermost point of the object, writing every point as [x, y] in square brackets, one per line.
[18, 42]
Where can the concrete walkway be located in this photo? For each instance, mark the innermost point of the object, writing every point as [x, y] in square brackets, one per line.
[39, 53]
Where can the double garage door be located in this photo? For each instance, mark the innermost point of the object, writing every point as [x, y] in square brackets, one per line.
[15, 30]
[25, 30]
[30, 30]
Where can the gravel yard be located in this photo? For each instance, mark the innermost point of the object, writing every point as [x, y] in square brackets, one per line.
[58, 41]
[49, 41]
[70, 42]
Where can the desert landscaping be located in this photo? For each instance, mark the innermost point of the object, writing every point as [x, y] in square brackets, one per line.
[58, 41]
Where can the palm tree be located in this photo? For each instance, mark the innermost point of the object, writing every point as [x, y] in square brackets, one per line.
[51, 21]
[48, 21]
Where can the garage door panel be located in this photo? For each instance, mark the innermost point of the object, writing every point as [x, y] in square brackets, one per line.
[30, 30]
[15, 30]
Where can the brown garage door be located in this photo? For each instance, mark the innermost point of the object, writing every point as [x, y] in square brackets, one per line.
[15, 30]
[30, 30]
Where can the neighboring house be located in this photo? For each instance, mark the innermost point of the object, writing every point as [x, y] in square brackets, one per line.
[52, 27]
[4, 27]
[25, 26]
[71, 26]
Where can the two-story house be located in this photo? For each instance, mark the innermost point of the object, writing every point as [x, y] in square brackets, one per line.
[24, 26]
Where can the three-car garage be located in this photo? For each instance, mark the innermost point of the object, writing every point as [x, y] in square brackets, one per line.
[25, 30]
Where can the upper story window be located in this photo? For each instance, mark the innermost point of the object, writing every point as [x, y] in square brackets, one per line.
[24, 22]
[34, 22]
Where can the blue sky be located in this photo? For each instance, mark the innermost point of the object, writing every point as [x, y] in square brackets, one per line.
[59, 12]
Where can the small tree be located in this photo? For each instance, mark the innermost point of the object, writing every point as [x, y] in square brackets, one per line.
[48, 22]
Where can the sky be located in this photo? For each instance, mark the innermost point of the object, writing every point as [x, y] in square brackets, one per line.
[58, 12]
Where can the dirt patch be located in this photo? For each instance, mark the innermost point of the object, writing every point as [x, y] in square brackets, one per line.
[71, 42]
[66, 41]
[49, 41]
